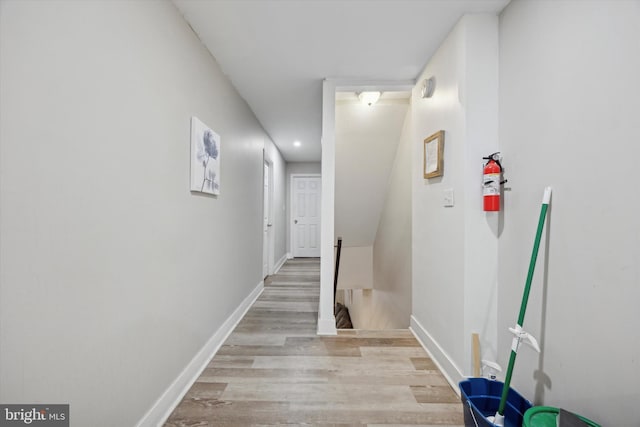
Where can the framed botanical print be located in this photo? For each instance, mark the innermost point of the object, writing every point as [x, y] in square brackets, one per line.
[434, 155]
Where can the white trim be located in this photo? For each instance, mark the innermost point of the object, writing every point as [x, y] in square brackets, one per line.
[270, 243]
[279, 264]
[326, 319]
[327, 326]
[291, 205]
[167, 402]
[351, 85]
[443, 361]
[289, 256]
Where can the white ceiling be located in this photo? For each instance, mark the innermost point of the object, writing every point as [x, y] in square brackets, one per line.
[277, 52]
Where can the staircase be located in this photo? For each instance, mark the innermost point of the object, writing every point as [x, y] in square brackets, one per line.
[343, 320]
[341, 312]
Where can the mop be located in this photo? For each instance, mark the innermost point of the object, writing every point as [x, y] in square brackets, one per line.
[518, 333]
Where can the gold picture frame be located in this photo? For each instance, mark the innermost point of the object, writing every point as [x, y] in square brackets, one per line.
[433, 157]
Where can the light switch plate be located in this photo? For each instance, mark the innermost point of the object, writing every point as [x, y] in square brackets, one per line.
[447, 197]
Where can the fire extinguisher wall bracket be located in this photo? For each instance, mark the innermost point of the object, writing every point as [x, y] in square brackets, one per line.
[491, 181]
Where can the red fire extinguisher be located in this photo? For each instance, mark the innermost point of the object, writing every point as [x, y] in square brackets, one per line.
[492, 179]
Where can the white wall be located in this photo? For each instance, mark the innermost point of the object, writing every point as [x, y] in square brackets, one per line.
[482, 229]
[291, 169]
[303, 167]
[385, 266]
[455, 248]
[356, 268]
[112, 274]
[368, 186]
[326, 318]
[392, 245]
[438, 233]
[569, 105]
[366, 142]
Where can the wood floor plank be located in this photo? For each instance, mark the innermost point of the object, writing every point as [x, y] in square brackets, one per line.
[209, 390]
[222, 361]
[424, 363]
[274, 370]
[359, 365]
[270, 413]
[272, 350]
[352, 396]
[434, 394]
[408, 352]
[384, 333]
[394, 377]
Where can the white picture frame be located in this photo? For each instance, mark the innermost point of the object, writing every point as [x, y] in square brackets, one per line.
[205, 158]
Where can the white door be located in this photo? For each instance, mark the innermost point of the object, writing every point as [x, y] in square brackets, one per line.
[266, 220]
[306, 216]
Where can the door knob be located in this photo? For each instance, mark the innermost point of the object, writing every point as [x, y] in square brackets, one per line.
[295, 221]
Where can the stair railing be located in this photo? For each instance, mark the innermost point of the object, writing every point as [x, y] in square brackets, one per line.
[335, 278]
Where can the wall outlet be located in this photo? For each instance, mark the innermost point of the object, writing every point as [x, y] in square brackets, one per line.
[447, 197]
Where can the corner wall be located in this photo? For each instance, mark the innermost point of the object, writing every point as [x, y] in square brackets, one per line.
[112, 274]
[455, 248]
[392, 245]
[569, 105]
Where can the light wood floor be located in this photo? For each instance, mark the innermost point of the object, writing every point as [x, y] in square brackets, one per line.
[274, 370]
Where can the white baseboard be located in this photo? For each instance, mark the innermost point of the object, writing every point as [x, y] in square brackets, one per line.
[279, 264]
[164, 406]
[289, 256]
[327, 326]
[443, 361]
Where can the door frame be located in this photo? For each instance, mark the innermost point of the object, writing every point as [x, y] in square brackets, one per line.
[269, 245]
[291, 205]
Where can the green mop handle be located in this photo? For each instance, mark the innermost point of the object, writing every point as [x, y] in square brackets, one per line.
[525, 296]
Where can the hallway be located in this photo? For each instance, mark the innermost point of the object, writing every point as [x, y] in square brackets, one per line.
[274, 369]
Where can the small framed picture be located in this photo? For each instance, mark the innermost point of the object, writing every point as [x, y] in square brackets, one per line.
[434, 155]
[205, 158]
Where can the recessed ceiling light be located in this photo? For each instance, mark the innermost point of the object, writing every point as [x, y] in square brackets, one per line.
[297, 143]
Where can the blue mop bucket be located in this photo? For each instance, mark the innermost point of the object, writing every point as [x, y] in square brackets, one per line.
[481, 399]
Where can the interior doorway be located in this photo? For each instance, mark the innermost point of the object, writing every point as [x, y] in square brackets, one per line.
[267, 221]
[305, 215]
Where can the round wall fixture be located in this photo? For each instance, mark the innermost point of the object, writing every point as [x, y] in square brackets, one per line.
[428, 87]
